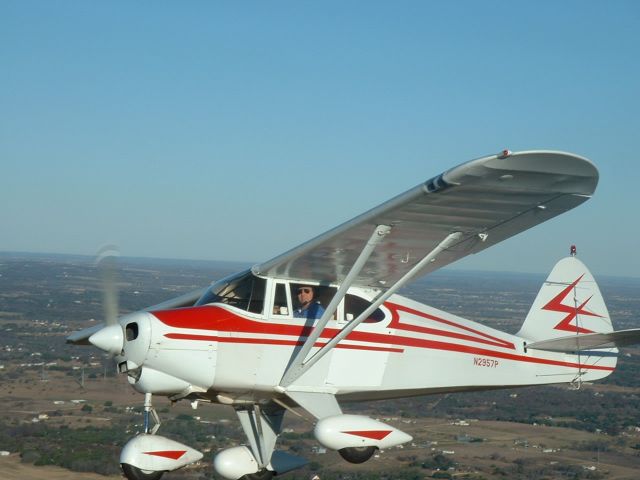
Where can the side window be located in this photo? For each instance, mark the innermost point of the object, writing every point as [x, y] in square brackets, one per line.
[310, 301]
[280, 304]
[256, 300]
[354, 306]
[245, 292]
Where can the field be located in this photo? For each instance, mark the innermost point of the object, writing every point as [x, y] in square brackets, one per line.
[66, 407]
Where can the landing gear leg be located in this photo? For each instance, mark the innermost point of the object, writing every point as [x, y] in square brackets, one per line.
[261, 425]
[150, 414]
[135, 473]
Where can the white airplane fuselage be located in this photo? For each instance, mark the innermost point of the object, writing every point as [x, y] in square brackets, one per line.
[218, 352]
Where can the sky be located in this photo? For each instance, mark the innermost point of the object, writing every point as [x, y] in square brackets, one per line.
[238, 130]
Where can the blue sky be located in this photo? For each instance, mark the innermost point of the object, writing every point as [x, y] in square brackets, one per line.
[237, 130]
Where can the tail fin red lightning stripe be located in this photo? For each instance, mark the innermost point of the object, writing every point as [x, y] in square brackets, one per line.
[556, 305]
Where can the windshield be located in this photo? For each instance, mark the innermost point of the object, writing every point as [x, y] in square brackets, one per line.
[244, 291]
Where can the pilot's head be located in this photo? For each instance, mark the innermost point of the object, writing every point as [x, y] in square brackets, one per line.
[305, 295]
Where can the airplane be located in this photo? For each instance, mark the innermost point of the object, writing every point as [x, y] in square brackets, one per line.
[247, 342]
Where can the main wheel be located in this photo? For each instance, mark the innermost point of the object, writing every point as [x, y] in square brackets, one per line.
[357, 454]
[261, 475]
[134, 473]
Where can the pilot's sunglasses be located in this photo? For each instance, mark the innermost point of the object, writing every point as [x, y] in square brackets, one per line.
[304, 290]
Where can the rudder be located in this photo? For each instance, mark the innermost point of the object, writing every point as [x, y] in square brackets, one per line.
[569, 302]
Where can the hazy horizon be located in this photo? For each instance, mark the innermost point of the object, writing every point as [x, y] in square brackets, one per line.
[241, 264]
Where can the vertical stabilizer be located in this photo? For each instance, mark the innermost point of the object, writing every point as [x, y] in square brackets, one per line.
[568, 303]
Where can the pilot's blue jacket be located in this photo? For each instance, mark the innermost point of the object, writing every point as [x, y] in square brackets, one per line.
[315, 310]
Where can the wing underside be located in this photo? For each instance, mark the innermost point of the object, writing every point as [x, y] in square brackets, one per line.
[486, 200]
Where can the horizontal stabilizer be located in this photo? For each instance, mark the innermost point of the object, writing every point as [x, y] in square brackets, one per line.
[576, 343]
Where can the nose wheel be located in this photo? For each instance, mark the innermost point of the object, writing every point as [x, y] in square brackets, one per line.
[147, 455]
[134, 473]
[130, 471]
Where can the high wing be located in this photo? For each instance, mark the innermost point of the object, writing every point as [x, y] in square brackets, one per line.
[485, 200]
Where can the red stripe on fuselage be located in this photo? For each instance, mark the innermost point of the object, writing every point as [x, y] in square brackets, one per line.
[274, 341]
[220, 319]
[395, 340]
[397, 323]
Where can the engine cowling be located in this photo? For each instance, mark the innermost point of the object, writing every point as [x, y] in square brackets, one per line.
[155, 453]
[355, 431]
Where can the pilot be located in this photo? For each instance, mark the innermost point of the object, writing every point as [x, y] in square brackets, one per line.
[308, 306]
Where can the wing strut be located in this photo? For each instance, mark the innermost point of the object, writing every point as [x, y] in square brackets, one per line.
[298, 362]
[262, 427]
[300, 366]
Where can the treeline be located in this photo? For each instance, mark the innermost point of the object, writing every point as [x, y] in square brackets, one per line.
[87, 449]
